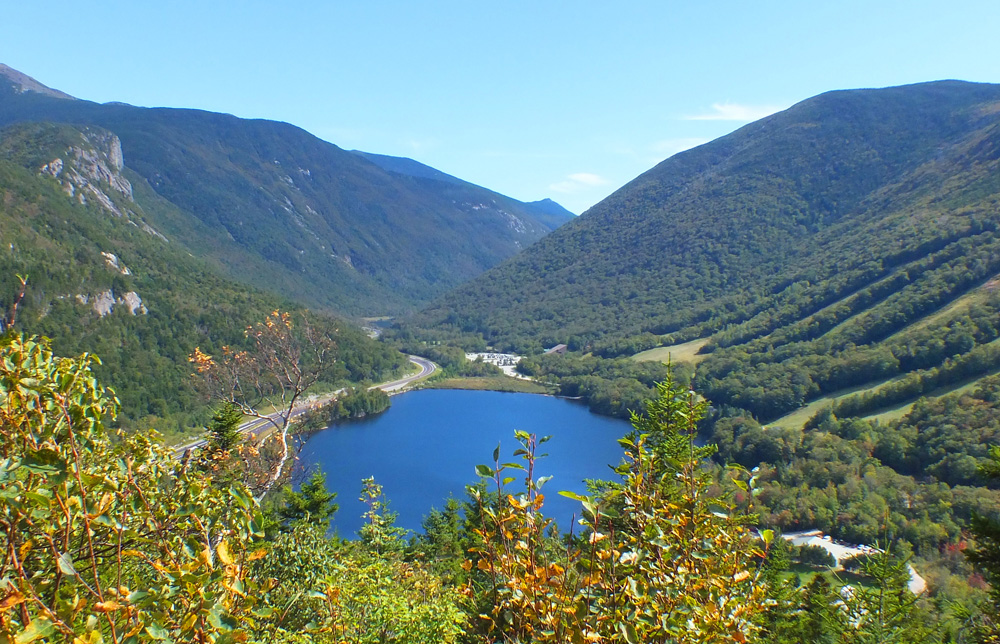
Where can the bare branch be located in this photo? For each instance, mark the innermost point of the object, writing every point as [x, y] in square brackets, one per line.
[266, 381]
[7, 322]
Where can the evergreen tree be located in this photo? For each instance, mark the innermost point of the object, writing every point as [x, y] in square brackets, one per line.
[380, 534]
[821, 619]
[224, 430]
[313, 503]
[885, 611]
[445, 539]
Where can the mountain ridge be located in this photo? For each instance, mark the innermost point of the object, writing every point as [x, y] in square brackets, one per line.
[756, 202]
[28, 84]
[100, 280]
[276, 207]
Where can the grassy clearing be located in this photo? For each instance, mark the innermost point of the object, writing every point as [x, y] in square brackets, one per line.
[959, 305]
[798, 418]
[897, 412]
[686, 352]
[491, 383]
[837, 579]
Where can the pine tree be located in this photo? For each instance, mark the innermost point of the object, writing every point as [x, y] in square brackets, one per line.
[821, 619]
[224, 430]
[313, 502]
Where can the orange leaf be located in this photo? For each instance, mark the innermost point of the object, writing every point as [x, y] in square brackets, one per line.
[257, 554]
[11, 600]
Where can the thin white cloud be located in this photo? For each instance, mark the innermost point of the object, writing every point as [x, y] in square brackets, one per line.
[735, 112]
[421, 145]
[588, 179]
[578, 182]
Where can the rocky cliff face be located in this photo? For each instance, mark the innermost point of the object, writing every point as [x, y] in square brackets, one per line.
[105, 301]
[91, 168]
[90, 171]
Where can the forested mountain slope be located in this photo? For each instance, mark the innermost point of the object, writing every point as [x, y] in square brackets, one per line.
[275, 207]
[812, 203]
[850, 242]
[101, 279]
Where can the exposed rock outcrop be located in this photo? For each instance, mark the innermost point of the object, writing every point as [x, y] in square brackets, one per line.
[115, 263]
[92, 168]
[105, 301]
[133, 302]
[92, 171]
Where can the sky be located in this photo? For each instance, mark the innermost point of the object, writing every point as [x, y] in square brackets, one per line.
[565, 100]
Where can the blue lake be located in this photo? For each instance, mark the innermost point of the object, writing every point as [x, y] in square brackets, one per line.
[427, 445]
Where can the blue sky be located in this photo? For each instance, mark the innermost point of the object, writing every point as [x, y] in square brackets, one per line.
[568, 100]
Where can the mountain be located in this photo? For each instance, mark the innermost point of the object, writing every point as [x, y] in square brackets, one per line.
[748, 211]
[272, 206]
[850, 240]
[21, 83]
[555, 212]
[547, 212]
[103, 280]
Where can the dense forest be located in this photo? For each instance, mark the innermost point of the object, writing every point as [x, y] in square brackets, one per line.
[800, 209]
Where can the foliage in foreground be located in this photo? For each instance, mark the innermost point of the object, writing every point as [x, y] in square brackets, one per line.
[107, 537]
[110, 538]
[659, 558]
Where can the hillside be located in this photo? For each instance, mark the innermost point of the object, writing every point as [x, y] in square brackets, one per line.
[273, 206]
[802, 250]
[749, 213]
[101, 279]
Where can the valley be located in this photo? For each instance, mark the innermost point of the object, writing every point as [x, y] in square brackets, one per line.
[799, 320]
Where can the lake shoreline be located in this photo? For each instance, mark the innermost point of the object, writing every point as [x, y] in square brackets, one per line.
[426, 446]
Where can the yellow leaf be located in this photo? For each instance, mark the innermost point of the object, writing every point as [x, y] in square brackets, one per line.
[189, 622]
[223, 551]
[205, 557]
[109, 606]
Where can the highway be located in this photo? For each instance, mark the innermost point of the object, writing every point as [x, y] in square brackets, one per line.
[252, 427]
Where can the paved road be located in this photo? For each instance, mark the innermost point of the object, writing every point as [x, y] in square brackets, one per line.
[426, 369]
[252, 427]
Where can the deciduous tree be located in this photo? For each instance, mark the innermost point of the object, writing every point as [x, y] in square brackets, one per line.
[267, 380]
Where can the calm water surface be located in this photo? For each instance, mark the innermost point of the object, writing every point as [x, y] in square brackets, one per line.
[427, 445]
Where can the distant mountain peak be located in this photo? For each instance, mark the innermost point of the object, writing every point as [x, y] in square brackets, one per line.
[552, 207]
[24, 83]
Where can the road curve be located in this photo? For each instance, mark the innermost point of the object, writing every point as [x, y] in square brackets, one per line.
[252, 427]
[426, 369]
